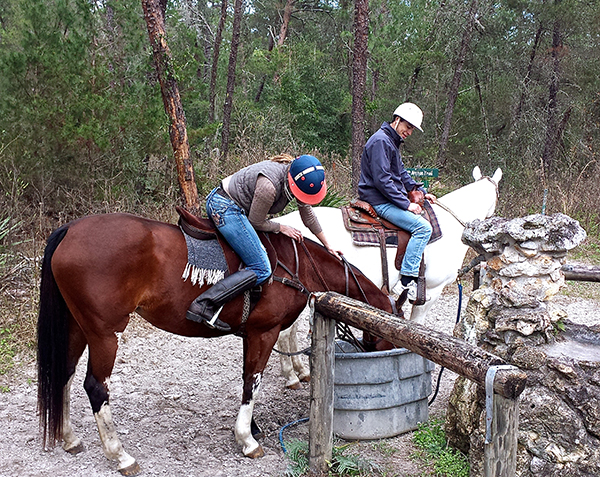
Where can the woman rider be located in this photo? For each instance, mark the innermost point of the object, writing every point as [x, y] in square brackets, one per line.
[240, 206]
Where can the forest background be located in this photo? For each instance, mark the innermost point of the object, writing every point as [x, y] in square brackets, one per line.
[506, 83]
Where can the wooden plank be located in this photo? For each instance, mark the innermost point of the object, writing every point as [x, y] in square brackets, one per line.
[500, 455]
[453, 353]
[322, 363]
[582, 273]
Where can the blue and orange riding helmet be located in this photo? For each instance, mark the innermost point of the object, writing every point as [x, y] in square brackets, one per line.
[306, 179]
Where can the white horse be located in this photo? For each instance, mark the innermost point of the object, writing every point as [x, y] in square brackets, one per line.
[443, 258]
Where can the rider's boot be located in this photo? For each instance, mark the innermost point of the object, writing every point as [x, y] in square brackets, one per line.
[206, 308]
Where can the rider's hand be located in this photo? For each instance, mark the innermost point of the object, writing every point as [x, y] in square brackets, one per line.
[336, 253]
[431, 197]
[291, 232]
[415, 208]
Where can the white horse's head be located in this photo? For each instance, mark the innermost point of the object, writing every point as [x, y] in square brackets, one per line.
[495, 179]
[476, 200]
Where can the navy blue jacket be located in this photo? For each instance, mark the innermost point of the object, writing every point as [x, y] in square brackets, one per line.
[383, 177]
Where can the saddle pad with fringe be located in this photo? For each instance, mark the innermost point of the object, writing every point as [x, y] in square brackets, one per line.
[371, 237]
[206, 261]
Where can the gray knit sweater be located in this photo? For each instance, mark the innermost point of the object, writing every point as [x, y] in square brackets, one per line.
[259, 190]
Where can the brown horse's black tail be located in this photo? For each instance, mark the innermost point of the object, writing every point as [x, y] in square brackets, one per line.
[52, 346]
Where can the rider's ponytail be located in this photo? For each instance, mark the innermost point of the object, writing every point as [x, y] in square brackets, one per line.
[283, 158]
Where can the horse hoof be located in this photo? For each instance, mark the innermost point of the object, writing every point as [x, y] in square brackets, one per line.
[305, 379]
[132, 469]
[294, 386]
[256, 453]
[77, 449]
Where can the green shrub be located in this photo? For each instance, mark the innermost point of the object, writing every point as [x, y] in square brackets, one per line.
[343, 463]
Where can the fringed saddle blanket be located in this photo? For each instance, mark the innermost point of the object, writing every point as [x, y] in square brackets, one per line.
[206, 261]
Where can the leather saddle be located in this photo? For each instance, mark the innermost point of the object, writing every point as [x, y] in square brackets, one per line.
[360, 216]
[361, 219]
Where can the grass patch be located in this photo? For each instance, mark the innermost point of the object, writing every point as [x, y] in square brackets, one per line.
[585, 290]
[8, 350]
[430, 438]
[384, 447]
[588, 252]
[343, 463]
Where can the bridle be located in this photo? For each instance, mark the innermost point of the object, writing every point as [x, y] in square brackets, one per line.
[295, 282]
[343, 330]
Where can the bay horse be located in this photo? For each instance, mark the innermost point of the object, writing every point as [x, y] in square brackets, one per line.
[443, 258]
[97, 270]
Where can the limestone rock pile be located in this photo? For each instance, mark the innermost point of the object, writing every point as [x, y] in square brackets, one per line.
[512, 315]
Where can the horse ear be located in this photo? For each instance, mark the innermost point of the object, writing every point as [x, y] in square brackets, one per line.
[477, 173]
[497, 175]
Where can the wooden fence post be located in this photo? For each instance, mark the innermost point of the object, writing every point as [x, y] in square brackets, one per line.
[322, 362]
[500, 454]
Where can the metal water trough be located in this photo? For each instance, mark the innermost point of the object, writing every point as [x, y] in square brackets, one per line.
[379, 394]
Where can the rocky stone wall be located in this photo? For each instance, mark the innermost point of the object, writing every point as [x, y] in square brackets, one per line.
[512, 315]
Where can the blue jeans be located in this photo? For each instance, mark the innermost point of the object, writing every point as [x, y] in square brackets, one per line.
[233, 224]
[419, 228]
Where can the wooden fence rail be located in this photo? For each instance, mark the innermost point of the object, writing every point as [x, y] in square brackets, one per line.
[455, 354]
[582, 273]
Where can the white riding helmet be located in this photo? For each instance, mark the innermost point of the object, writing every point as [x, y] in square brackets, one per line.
[411, 113]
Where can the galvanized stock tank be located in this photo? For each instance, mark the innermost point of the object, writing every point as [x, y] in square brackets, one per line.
[379, 394]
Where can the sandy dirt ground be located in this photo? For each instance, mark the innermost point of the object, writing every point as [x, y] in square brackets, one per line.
[175, 400]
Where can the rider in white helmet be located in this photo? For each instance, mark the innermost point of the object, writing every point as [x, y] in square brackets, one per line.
[384, 183]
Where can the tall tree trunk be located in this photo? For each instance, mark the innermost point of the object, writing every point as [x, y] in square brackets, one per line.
[359, 78]
[486, 130]
[235, 41]
[215, 62]
[453, 92]
[155, 19]
[526, 80]
[285, 23]
[552, 130]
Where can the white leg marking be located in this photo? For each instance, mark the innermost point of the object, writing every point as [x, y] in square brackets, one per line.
[287, 364]
[70, 440]
[113, 449]
[243, 435]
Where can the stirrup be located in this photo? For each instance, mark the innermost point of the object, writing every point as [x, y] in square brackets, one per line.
[217, 324]
[213, 323]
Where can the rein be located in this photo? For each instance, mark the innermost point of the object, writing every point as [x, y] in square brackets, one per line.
[451, 212]
[314, 265]
[342, 329]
